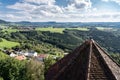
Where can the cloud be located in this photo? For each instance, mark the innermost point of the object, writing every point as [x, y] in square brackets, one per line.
[87, 17]
[47, 10]
[15, 17]
[22, 6]
[117, 1]
[41, 2]
[49, 5]
[44, 7]
[35, 9]
[78, 5]
[81, 3]
[105, 0]
[0, 3]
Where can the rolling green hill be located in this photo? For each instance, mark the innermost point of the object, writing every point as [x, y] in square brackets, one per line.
[8, 44]
[60, 30]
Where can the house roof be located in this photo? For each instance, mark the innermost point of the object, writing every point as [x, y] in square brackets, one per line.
[42, 55]
[87, 62]
[20, 57]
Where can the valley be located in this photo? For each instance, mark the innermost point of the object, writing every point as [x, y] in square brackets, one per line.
[50, 44]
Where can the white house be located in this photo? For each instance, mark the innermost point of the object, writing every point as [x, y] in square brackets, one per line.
[13, 55]
[29, 53]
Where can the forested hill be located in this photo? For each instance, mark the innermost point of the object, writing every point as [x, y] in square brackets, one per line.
[3, 22]
[60, 24]
[50, 41]
[69, 39]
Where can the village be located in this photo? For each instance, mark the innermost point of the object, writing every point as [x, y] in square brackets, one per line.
[27, 54]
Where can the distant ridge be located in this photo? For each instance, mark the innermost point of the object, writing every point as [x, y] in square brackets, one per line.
[3, 22]
[87, 62]
[62, 24]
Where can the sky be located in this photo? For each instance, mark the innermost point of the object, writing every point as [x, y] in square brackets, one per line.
[60, 10]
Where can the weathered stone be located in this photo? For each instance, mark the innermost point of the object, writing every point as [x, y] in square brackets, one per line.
[87, 62]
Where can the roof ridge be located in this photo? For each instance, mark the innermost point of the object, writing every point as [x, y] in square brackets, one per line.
[84, 59]
[107, 62]
[107, 54]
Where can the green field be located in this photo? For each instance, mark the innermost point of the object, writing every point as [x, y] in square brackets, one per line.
[8, 44]
[9, 30]
[55, 30]
[103, 28]
[79, 28]
[3, 56]
[60, 30]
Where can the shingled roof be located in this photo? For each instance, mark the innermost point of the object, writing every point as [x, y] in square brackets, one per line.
[87, 62]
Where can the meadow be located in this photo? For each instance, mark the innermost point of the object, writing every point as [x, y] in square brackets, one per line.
[10, 30]
[60, 30]
[104, 28]
[8, 44]
[51, 29]
[79, 28]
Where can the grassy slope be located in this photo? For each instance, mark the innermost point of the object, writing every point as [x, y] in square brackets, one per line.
[8, 44]
[60, 30]
[10, 30]
[80, 28]
[3, 55]
[56, 30]
[104, 28]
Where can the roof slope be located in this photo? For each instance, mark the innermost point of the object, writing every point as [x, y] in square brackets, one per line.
[87, 62]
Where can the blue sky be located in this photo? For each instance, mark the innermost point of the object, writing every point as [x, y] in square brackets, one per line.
[60, 10]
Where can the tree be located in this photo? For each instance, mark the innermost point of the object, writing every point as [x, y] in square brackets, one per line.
[1, 40]
[1, 78]
[12, 69]
[3, 55]
[116, 57]
[48, 62]
[34, 70]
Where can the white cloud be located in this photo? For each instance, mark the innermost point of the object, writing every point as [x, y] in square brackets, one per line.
[47, 2]
[47, 10]
[11, 17]
[87, 17]
[0, 3]
[52, 9]
[49, 5]
[117, 1]
[45, 7]
[39, 11]
[78, 5]
[22, 6]
[105, 0]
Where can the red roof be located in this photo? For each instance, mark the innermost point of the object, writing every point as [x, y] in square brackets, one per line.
[21, 57]
[42, 55]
